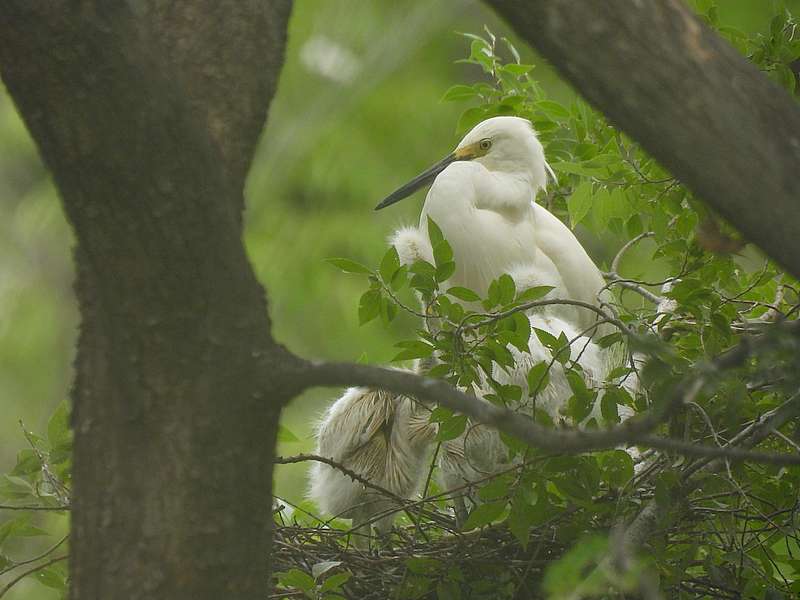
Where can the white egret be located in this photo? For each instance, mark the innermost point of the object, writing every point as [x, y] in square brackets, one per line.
[482, 199]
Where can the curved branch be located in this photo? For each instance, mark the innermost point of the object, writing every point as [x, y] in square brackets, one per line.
[24, 574]
[570, 441]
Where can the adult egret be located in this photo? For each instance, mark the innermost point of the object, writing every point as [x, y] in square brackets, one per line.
[482, 200]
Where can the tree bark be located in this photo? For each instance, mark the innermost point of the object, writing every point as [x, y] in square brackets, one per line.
[689, 98]
[147, 114]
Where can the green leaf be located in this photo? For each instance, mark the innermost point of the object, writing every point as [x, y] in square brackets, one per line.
[496, 488]
[552, 109]
[58, 425]
[534, 293]
[442, 253]
[445, 270]
[413, 349]
[538, 377]
[388, 310]
[610, 339]
[506, 289]
[666, 483]
[483, 514]
[369, 306]
[295, 578]
[52, 577]
[19, 527]
[520, 520]
[348, 266]
[335, 582]
[390, 264]
[547, 339]
[399, 279]
[522, 332]
[516, 70]
[27, 463]
[435, 234]
[575, 570]
[459, 92]
[616, 466]
[286, 436]
[463, 293]
[451, 428]
[608, 408]
[15, 488]
[579, 203]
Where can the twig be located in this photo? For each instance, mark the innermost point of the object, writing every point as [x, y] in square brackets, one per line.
[28, 561]
[34, 507]
[630, 244]
[287, 460]
[24, 574]
[492, 317]
[614, 278]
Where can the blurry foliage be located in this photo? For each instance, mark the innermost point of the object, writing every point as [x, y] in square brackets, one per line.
[355, 115]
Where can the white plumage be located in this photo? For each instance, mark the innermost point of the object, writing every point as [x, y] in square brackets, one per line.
[482, 200]
[380, 436]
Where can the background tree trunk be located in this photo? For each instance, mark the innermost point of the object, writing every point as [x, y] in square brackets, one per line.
[147, 114]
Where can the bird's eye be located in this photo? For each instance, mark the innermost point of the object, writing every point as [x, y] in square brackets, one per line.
[485, 144]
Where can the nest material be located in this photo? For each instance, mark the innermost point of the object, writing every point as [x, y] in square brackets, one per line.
[487, 557]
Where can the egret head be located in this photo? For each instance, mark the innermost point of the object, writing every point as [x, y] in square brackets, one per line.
[504, 144]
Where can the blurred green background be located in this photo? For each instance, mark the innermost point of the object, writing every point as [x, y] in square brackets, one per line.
[357, 113]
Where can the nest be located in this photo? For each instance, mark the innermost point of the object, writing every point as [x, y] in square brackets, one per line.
[417, 561]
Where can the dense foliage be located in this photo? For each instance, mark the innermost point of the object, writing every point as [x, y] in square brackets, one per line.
[553, 524]
[724, 529]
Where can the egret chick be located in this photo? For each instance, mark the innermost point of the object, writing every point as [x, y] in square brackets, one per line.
[380, 436]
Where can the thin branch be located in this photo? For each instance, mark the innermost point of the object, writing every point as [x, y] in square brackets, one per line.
[492, 317]
[28, 561]
[35, 507]
[614, 278]
[24, 574]
[630, 244]
[287, 460]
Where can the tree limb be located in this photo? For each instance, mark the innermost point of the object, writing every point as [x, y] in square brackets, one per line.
[688, 97]
[634, 430]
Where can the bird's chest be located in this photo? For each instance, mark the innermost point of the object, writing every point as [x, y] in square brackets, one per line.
[485, 245]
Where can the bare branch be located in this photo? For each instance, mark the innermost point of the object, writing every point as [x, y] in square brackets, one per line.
[34, 507]
[628, 245]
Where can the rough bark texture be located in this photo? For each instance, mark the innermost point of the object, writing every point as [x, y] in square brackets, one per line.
[688, 97]
[147, 113]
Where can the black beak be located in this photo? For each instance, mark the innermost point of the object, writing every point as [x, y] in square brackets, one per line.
[419, 181]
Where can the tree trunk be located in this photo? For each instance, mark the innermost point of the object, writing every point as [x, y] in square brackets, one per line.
[688, 98]
[147, 114]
